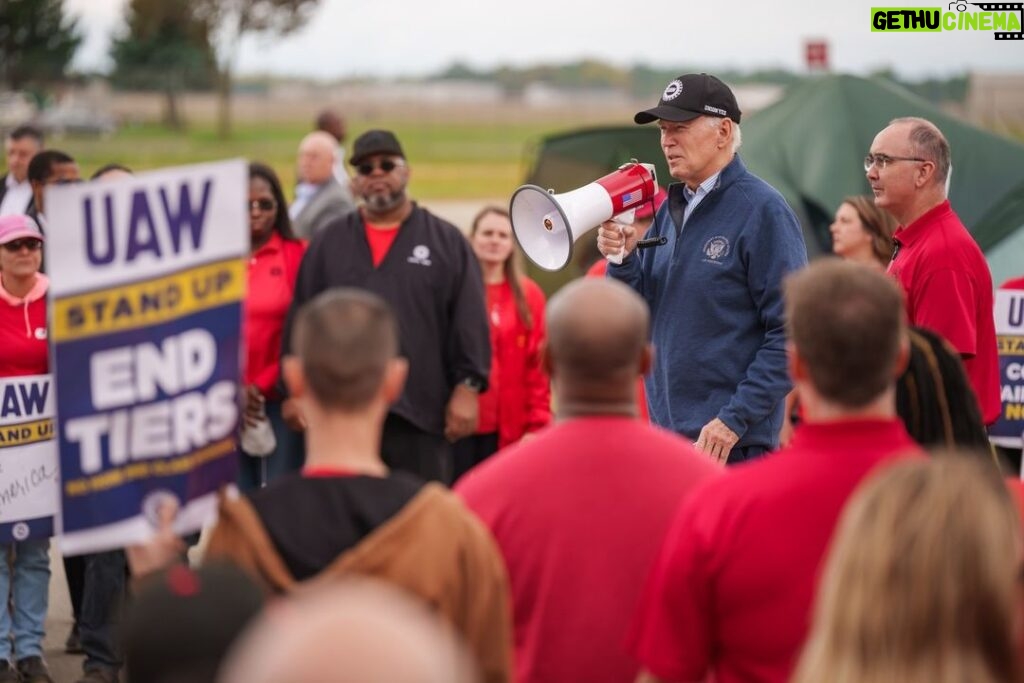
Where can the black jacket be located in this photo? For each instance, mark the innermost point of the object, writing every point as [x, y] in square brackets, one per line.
[432, 281]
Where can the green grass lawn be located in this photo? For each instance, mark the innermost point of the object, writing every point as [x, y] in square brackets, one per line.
[449, 161]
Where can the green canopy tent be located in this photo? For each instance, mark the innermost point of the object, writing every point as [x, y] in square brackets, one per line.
[810, 146]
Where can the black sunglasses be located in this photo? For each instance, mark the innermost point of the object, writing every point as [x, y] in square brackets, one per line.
[386, 165]
[263, 204]
[32, 243]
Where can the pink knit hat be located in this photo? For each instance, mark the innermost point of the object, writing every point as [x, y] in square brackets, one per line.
[18, 226]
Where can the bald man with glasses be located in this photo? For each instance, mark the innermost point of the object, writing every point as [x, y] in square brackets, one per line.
[944, 275]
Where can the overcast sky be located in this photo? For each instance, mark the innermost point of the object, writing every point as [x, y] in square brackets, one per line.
[387, 38]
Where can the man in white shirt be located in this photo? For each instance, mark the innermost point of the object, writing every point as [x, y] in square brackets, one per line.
[20, 145]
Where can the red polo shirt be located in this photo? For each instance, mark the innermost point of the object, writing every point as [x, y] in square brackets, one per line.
[948, 289]
[732, 591]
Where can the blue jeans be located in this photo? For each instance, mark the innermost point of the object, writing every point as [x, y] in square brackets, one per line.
[102, 599]
[31, 593]
[288, 456]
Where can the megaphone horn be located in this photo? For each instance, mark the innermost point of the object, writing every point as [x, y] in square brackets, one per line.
[547, 225]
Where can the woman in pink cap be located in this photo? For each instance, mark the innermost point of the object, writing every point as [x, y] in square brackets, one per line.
[25, 352]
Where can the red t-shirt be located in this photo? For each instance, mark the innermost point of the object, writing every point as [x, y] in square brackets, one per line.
[23, 334]
[732, 591]
[948, 289]
[272, 272]
[380, 238]
[579, 511]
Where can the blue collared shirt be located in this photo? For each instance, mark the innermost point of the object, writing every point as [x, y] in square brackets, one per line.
[695, 197]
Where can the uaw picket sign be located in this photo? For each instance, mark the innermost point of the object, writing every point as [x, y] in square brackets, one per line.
[28, 458]
[147, 279]
[1009, 314]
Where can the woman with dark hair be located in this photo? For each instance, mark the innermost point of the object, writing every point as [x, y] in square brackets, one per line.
[273, 266]
[518, 398]
[862, 232]
[935, 399]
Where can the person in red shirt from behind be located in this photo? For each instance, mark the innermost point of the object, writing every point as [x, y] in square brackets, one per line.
[945, 276]
[731, 594]
[518, 398]
[273, 265]
[579, 510]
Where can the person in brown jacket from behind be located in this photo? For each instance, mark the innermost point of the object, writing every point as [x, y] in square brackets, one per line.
[345, 514]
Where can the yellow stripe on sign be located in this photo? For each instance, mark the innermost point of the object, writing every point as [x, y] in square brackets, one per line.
[148, 303]
[26, 433]
[147, 469]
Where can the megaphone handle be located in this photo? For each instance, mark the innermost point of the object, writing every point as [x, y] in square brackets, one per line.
[617, 258]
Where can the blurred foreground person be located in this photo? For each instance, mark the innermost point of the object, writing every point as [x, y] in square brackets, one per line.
[923, 581]
[579, 510]
[354, 632]
[182, 622]
[731, 594]
[346, 514]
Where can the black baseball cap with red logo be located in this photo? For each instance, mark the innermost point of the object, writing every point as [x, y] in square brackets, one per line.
[690, 96]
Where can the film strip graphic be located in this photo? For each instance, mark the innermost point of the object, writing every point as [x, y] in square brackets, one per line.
[1005, 7]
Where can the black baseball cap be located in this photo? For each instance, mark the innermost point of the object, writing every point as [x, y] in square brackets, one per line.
[375, 142]
[690, 96]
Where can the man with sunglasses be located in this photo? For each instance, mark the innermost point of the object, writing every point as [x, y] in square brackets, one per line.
[319, 197]
[425, 269]
[942, 270]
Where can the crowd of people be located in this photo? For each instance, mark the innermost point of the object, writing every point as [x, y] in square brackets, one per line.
[710, 460]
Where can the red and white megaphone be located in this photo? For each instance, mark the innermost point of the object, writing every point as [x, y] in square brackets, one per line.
[547, 225]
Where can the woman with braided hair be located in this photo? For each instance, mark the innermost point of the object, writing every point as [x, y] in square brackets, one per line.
[934, 396]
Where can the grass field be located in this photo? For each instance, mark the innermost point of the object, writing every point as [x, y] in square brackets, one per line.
[449, 161]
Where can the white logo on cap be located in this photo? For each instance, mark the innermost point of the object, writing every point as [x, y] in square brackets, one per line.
[672, 90]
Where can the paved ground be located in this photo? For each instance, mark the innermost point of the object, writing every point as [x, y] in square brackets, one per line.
[64, 668]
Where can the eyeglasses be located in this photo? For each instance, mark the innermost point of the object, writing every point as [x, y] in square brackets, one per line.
[262, 205]
[386, 165]
[63, 181]
[883, 160]
[30, 242]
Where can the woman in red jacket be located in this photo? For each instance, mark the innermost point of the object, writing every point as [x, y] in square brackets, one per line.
[273, 267]
[25, 580]
[518, 397]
